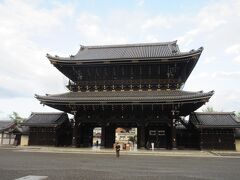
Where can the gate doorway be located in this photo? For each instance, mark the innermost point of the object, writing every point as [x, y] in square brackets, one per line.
[97, 134]
[126, 137]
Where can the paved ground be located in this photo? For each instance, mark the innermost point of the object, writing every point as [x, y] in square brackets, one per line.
[15, 163]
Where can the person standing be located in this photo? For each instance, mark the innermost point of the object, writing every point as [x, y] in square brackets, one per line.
[117, 147]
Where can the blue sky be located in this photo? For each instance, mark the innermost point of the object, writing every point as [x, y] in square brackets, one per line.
[152, 6]
[30, 29]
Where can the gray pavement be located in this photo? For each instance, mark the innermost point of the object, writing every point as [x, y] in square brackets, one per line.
[16, 163]
[156, 152]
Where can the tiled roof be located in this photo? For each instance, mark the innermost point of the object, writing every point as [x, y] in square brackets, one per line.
[45, 119]
[127, 51]
[214, 119]
[4, 125]
[126, 96]
[21, 130]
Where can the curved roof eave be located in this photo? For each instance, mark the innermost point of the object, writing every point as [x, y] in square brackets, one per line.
[70, 60]
[202, 97]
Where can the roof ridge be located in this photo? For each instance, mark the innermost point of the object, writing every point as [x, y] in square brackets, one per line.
[47, 113]
[213, 113]
[6, 121]
[128, 45]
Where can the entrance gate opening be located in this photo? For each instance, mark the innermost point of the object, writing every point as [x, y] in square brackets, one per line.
[126, 137]
[97, 133]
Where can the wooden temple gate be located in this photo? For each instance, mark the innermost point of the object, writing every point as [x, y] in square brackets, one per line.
[133, 85]
[151, 128]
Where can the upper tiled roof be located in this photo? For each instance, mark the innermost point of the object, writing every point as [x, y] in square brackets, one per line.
[45, 119]
[127, 51]
[4, 125]
[214, 119]
[126, 96]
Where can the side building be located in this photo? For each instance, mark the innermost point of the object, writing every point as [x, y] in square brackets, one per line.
[52, 129]
[7, 137]
[215, 130]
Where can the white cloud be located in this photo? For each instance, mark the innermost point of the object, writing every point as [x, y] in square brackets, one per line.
[216, 77]
[157, 22]
[234, 50]
[24, 68]
[88, 25]
[209, 60]
[24, 106]
[237, 59]
[225, 101]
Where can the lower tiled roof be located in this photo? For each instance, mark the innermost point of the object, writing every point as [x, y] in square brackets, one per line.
[214, 120]
[127, 96]
[4, 125]
[45, 119]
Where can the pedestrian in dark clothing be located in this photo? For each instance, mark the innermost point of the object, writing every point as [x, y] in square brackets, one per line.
[117, 150]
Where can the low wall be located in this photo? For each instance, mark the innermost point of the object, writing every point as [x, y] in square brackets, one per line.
[24, 140]
[7, 139]
[237, 142]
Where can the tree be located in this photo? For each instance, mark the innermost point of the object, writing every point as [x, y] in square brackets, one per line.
[16, 118]
[238, 115]
[208, 109]
[133, 139]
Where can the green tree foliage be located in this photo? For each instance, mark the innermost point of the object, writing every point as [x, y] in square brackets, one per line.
[208, 109]
[16, 118]
[133, 139]
[238, 115]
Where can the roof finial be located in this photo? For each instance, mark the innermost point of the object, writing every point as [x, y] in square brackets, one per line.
[82, 47]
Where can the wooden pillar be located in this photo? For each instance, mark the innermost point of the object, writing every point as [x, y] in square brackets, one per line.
[103, 134]
[9, 138]
[109, 136]
[173, 130]
[75, 128]
[141, 133]
[200, 139]
[86, 134]
[2, 138]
